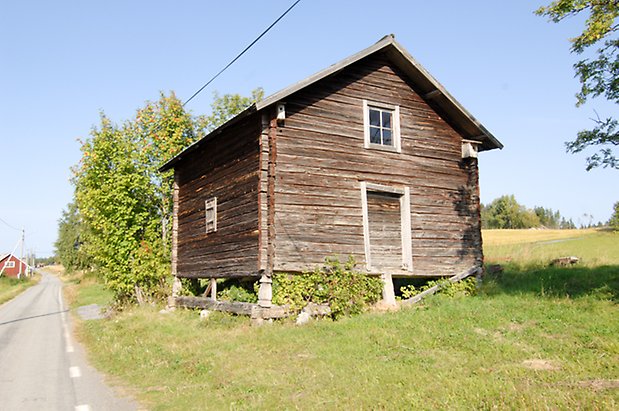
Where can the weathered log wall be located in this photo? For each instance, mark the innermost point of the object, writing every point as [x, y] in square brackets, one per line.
[321, 160]
[226, 167]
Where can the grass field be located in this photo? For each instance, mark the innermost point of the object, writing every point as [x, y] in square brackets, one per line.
[535, 337]
[539, 247]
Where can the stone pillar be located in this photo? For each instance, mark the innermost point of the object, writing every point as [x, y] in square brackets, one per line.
[265, 293]
[388, 292]
[213, 288]
[177, 286]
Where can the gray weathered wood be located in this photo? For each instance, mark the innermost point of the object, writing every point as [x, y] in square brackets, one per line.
[436, 288]
[288, 193]
[233, 307]
[407, 245]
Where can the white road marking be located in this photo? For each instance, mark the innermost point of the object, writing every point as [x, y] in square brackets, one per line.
[74, 372]
[60, 299]
[67, 337]
[83, 407]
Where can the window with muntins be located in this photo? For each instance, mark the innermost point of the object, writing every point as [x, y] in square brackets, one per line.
[210, 207]
[381, 126]
[9, 264]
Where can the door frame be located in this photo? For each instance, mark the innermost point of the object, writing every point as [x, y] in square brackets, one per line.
[405, 222]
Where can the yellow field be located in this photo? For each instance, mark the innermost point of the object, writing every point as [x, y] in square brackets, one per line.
[506, 237]
[594, 247]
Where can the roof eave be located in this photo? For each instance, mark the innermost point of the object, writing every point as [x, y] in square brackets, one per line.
[430, 85]
[195, 145]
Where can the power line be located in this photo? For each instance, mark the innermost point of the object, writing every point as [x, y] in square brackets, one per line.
[9, 225]
[241, 53]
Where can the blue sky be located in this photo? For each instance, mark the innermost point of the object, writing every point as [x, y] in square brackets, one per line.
[63, 62]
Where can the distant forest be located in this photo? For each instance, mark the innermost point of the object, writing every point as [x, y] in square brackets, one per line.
[506, 212]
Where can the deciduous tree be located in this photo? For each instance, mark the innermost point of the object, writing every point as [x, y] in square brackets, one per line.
[599, 76]
[70, 240]
[505, 212]
[125, 204]
[224, 107]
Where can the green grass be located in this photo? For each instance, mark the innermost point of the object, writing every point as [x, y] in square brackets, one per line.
[534, 338]
[85, 289]
[93, 293]
[11, 287]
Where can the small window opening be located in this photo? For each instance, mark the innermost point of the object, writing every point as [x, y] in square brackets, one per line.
[210, 207]
[381, 126]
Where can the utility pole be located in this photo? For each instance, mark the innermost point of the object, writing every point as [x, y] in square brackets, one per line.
[21, 257]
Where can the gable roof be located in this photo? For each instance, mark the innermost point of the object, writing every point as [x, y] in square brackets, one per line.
[7, 255]
[427, 86]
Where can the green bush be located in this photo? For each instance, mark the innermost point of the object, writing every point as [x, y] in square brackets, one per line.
[466, 287]
[346, 290]
[237, 293]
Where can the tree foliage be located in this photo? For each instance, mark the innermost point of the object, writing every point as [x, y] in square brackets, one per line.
[506, 212]
[598, 76]
[69, 244]
[224, 107]
[117, 200]
[124, 203]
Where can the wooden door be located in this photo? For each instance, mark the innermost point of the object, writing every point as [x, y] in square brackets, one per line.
[385, 231]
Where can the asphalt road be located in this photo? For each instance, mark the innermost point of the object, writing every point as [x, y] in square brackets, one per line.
[41, 365]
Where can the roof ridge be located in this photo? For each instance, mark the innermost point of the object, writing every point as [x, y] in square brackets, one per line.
[432, 89]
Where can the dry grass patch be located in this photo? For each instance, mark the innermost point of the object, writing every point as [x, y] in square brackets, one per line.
[541, 365]
[539, 247]
[506, 237]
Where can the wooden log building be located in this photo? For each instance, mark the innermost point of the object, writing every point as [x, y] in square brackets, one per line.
[370, 157]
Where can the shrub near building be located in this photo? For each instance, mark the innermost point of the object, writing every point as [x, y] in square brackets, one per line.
[346, 290]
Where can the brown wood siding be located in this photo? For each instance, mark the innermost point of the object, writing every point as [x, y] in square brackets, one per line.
[226, 167]
[321, 160]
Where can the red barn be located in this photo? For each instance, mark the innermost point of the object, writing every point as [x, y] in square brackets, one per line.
[12, 266]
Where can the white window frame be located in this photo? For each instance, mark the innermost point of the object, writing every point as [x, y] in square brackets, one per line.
[405, 222]
[395, 118]
[9, 264]
[210, 205]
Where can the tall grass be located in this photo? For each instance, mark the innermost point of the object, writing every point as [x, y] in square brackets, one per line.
[11, 287]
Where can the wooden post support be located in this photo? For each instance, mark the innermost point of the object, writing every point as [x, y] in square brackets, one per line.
[265, 293]
[388, 291]
[434, 289]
